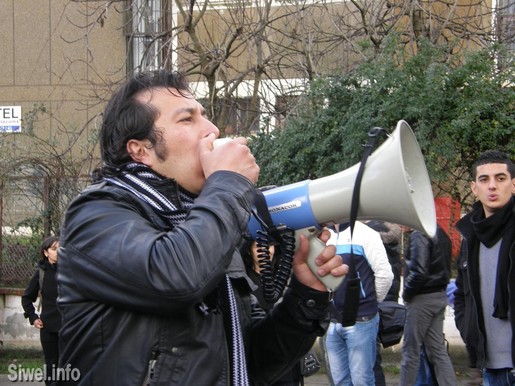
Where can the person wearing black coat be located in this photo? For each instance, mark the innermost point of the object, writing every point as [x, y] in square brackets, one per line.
[48, 322]
[152, 287]
[428, 271]
[391, 236]
[483, 301]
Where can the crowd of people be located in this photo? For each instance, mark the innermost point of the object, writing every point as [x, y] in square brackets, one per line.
[159, 283]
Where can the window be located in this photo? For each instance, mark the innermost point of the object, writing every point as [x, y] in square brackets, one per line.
[303, 3]
[143, 28]
[224, 4]
[236, 113]
[284, 105]
[505, 29]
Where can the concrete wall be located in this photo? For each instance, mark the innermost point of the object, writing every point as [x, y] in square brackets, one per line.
[15, 328]
[13, 325]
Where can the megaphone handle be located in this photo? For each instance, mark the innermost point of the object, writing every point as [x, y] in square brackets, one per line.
[315, 248]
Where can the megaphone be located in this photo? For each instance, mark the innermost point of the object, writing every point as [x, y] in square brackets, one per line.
[395, 187]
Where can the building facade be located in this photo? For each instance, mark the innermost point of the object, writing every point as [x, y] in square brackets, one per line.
[248, 60]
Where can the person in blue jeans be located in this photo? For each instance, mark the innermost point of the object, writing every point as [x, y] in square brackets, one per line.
[351, 349]
[391, 237]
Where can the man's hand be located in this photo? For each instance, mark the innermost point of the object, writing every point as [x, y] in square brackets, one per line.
[328, 262]
[233, 156]
[38, 323]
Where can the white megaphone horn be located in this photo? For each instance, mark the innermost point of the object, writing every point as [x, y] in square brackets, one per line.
[395, 187]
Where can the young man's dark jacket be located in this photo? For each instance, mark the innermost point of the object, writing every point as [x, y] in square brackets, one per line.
[428, 264]
[468, 310]
[133, 290]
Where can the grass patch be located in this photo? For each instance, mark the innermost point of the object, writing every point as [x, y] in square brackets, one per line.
[391, 369]
[26, 357]
[391, 360]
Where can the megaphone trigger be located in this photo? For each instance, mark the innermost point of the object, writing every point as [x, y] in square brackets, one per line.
[315, 248]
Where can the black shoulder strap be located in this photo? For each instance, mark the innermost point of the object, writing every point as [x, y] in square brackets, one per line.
[262, 207]
[352, 293]
[372, 134]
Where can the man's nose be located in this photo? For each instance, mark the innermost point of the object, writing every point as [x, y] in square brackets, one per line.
[211, 128]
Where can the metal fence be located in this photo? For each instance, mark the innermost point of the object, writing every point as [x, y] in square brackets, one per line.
[18, 265]
[31, 208]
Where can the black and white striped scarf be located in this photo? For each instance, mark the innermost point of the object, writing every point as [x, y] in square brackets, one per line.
[138, 179]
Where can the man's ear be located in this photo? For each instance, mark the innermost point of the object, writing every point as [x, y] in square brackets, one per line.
[473, 188]
[140, 151]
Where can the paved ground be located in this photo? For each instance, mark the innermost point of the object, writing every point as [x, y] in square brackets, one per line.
[5, 381]
[392, 356]
[391, 365]
[391, 362]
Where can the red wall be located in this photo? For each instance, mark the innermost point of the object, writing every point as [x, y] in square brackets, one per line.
[447, 213]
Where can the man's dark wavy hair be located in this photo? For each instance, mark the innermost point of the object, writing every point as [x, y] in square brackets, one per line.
[492, 157]
[126, 118]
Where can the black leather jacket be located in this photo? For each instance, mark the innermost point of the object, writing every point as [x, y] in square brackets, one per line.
[428, 264]
[133, 291]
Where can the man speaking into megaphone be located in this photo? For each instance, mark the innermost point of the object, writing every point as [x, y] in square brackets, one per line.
[152, 289]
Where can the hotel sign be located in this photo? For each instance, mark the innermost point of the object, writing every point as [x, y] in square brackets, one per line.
[10, 119]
